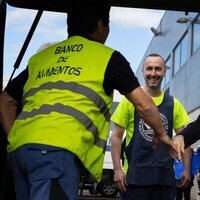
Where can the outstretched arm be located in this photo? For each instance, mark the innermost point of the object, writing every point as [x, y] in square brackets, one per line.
[186, 176]
[186, 157]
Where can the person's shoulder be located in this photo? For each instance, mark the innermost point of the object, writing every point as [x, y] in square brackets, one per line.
[180, 114]
[166, 95]
[125, 101]
[178, 106]
[118, 55]
[45, 49]
[119, 62]
[126, 105]
[97, 45]
[123, 113]
[177, 102]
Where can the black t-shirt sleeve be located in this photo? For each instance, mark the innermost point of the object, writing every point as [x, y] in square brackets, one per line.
[119, 75]
[192, 132]
[15, 87]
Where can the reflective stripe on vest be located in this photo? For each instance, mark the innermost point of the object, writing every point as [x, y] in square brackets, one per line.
[63, 109]
[77, 88]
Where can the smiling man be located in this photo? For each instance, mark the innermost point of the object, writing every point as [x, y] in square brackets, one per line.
[148, 173]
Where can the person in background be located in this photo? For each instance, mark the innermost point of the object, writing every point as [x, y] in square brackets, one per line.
[181, 190]
[45, 45]
[198, 167]
[66, 94]
[148, 173]
[198, 180]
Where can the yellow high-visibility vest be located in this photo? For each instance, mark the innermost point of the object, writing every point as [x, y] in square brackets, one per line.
[64, 102]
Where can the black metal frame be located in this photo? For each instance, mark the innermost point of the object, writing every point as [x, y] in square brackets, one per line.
[2, 31]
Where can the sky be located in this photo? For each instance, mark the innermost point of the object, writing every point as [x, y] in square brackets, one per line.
[129, 33]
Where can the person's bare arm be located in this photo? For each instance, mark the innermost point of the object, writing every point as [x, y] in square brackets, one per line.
[8, 111]
[149, 112]
[186, 176]
[116, 142]
[180, 144]
[186, 157]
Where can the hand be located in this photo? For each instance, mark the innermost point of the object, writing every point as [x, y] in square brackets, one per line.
[198, 176]
[120, 179]
[180, 145]
[185, 179]
[165, 139]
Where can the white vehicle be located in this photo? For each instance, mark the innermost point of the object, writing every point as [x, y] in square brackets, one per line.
[106, 187]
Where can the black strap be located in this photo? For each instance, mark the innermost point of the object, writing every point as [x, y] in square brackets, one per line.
[2, 32]
[26, 42]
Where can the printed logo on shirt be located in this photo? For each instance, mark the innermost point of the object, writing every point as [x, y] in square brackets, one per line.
[146, 131]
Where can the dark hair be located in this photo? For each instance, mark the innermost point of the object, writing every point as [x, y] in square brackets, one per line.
[155, 55]
[83, 15]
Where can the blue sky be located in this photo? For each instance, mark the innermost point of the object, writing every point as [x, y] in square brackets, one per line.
[129, 33]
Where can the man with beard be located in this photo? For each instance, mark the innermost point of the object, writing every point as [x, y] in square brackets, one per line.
[148, 173]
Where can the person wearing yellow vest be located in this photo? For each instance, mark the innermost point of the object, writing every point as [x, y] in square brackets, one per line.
[66, 94]
[148, 173]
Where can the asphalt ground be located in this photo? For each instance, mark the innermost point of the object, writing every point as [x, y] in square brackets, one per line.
[87, 196]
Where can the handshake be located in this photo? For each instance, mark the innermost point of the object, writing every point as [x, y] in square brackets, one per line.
[188, 136]
[179, 144]
[176, 146]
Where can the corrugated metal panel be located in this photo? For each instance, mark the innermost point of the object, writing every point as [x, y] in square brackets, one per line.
[195, 190]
